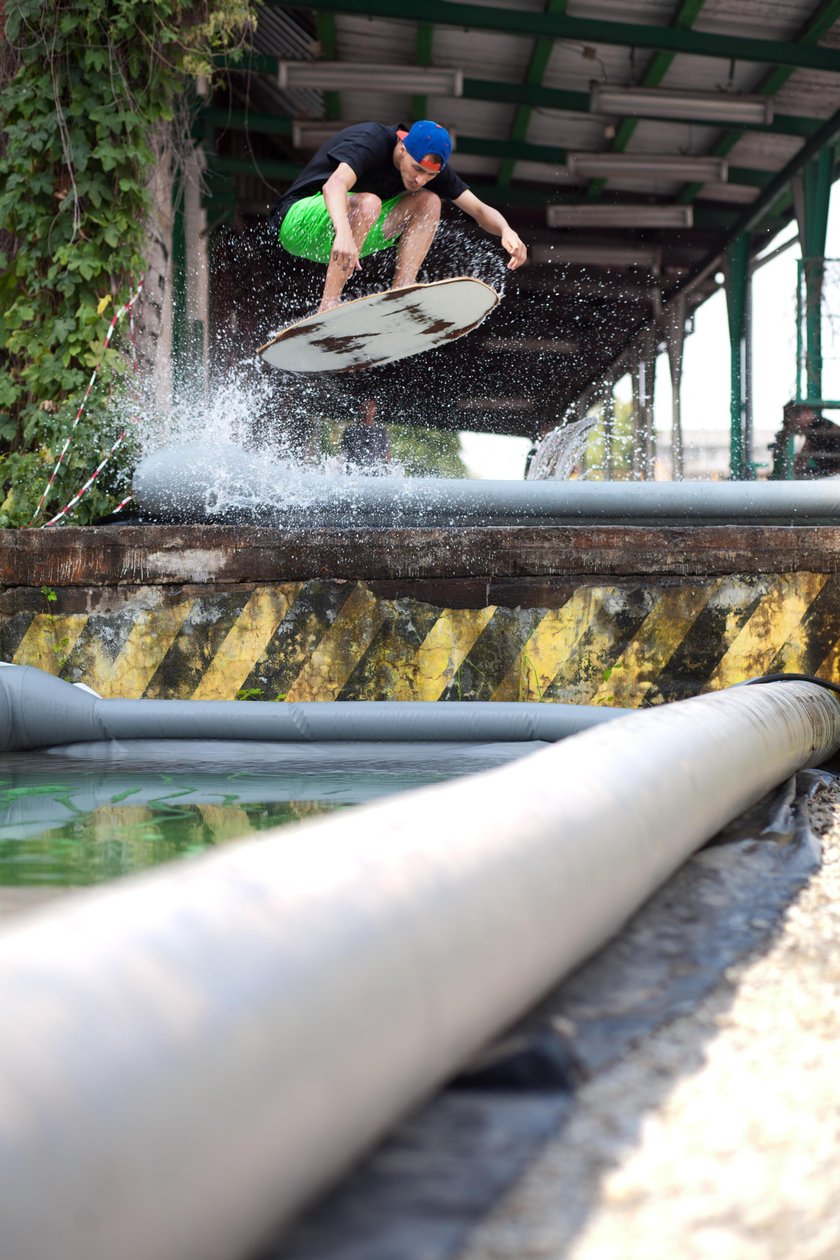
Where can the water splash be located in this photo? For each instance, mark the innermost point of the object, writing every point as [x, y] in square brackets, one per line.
[561, 450]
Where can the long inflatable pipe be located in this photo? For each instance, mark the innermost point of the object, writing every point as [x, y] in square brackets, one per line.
[38, 710]
[195, 483]
[188, 1057]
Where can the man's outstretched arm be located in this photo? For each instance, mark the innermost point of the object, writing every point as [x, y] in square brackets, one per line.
[496, 224]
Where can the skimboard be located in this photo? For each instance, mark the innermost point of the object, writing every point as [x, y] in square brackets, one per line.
[382, 327]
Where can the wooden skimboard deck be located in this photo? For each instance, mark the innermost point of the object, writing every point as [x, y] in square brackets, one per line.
[382, 327]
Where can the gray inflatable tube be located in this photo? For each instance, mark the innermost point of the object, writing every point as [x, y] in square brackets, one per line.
[189, 1056]
[199, 483]
[38, 710]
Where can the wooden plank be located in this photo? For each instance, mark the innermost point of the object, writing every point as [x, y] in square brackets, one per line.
[171, 555]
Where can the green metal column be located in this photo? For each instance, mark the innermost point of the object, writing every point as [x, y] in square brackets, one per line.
[737, 302]
[816, 187]
[325, 31]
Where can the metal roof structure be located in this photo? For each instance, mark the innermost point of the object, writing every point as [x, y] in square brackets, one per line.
[626, 230]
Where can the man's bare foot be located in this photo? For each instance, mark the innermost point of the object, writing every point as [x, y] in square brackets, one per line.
[329, 304]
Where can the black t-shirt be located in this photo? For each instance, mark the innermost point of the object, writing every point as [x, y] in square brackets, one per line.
[365, 445]
[368, 148]
[822, 448]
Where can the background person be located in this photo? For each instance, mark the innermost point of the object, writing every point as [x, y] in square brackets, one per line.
[819, 453]
[374, 186]
[365, 443]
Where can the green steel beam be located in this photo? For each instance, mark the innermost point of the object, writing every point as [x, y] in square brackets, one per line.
[271, 168]
[536, 69]
[816, 182]
[820, 21]
[325, 30]
[422, 57]
[513, 21]
[246, 120]
[714, 218]
[541, 97]
[507, 150]
[279, 125]
[654, 73]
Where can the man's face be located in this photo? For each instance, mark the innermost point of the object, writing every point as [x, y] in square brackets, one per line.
[414, 176]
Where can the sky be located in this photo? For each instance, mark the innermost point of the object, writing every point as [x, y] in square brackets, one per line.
[705, 388]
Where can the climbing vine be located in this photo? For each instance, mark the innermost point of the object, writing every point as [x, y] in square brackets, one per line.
[93, 93]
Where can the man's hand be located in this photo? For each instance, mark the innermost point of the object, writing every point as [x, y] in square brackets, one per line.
[515, 247]
[345, 252]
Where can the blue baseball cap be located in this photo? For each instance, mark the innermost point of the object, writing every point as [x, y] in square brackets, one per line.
[428, 143]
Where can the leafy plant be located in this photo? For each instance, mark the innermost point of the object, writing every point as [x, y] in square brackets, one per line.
[92, 97]
[60, 645]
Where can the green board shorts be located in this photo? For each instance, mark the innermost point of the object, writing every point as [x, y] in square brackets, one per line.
[307, 230]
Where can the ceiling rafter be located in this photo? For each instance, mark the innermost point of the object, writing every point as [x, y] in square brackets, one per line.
[592, 31]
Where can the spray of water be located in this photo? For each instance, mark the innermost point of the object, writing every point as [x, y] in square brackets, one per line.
[238, 402]
[561, 451]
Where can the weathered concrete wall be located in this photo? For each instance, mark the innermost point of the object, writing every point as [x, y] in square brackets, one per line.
[606, 615]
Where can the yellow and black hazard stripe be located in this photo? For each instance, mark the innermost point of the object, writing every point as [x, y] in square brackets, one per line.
[625, 642]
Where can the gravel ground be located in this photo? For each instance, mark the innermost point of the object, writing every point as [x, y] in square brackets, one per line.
[716, 1137]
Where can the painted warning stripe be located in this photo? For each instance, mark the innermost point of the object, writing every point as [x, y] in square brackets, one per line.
[49, 640]
[347, 638]
[775, 625]
[229, 670]
[626, 643]
[628, 682]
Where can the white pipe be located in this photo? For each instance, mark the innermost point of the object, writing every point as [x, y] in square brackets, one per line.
[188, 1057]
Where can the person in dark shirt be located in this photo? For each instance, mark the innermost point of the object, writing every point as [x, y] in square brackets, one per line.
[819, 455]
[365, 444]
[370, 187]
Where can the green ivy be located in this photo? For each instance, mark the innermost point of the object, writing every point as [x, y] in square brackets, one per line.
[91, 91]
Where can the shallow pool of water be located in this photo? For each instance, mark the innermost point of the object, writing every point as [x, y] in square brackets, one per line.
[89, 813]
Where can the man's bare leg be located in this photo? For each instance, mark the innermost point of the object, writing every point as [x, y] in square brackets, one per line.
[415, 221]
[362, 212]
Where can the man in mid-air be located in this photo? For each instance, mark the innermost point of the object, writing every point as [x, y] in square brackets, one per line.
[374, 186]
